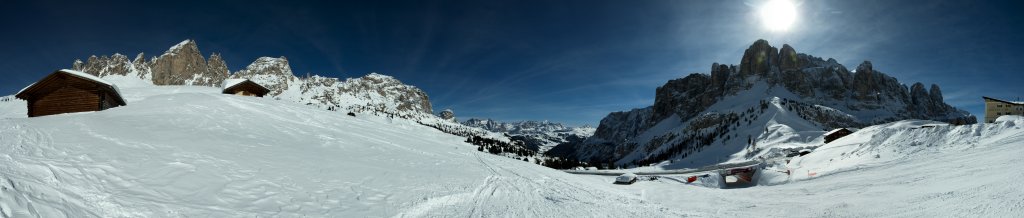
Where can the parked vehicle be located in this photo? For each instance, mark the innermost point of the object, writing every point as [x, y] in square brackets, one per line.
[628, 178]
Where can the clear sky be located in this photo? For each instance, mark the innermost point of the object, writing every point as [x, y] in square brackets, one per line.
[571, 61]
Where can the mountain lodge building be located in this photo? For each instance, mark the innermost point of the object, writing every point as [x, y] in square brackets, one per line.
[995, 108]
[69, 91]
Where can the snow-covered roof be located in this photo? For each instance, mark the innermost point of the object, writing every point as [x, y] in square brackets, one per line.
[837, 130]
[1004, 101]
[26, 87]
[82, 75]
[228, 83]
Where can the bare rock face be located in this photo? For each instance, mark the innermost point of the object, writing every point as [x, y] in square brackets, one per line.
[919, 99]
[273, 73]
[720, 74]
[759, 59]
[788, 59]
[141, 68]
[117, 64]
[618, 127]
[447, 114]
[373, 93]
[377, 86]
[218, 69]
[936, 95]
[864, 82]
[182, 64]
[78, 65]
[684, 97]
[925, 104]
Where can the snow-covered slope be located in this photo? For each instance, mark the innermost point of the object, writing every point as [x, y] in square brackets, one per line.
[897, 142]
[187, 151]
[764, 115]
[890, 170]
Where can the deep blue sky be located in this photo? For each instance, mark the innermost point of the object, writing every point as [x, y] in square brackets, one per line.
[568, 61]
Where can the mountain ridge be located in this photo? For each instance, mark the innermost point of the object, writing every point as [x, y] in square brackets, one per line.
[822, 92]
[538, 136]
[184, 64]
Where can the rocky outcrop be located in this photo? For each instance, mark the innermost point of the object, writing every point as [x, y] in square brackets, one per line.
[684, 97]
[863, 97]
[619, 127]
[373, 93]
[217, 68]
[447, 114]
[141, 68]
[388, 90]
[759, 59]
[788, 59]
[273, 73]
[116, 64]
[182, 64]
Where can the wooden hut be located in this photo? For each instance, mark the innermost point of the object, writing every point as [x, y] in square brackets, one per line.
[244, 87]
[836, 134]
[69, 91]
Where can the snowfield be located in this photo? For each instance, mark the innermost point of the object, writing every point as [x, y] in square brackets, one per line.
[179, 151]
[183, 151]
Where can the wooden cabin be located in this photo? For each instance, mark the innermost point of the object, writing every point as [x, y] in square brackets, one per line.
[244, 87]
[836, 134]
[69, 91]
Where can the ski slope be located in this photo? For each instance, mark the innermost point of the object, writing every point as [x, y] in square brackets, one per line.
[182, 151]
[897, 169]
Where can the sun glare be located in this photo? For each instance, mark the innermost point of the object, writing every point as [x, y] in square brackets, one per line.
[778, 15]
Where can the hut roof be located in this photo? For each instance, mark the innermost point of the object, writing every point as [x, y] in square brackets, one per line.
[1003, 101]
[837, 130]
[22, 94]
[232, 83]
[228, 83]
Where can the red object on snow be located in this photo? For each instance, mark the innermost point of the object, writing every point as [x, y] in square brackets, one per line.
[691, 179]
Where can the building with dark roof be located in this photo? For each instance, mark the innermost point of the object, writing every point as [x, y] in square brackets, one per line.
[69, 91]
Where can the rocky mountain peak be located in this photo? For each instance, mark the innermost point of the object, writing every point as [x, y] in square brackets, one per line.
[184, 47]
[273, 73]
[759, 59]
[788, 59]
[865, 67]
[935, 93]
[269, 66]
[448, 114]
[116, 64]
[827, 94]
[183, 64]
[375, 85]
[217, 66]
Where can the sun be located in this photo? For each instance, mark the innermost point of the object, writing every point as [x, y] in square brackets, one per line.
[778, 15]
